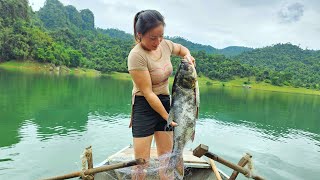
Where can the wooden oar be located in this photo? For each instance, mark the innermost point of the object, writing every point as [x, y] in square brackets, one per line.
[203, 150]
[99, 169]
[243, 161]
[214, 169]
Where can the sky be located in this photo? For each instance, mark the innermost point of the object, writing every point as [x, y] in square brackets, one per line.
[219, 23]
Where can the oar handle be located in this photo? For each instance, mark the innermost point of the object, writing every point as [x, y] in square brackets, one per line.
[99, 169]
[231, 165]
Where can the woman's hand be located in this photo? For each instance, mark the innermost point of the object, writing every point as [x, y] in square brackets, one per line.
[184, 52]
[173, 124]
[190, 59]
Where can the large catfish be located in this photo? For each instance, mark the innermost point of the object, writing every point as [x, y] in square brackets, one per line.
[184, 111]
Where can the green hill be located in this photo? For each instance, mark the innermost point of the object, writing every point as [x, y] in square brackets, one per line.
[291, 64]
[278, 56]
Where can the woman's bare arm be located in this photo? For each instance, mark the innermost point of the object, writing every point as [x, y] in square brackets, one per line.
[142, 80]
[182, 51]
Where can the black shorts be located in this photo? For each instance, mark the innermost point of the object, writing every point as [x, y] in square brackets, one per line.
[145, 120]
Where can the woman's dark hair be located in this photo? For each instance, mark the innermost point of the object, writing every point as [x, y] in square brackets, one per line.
[146, 20]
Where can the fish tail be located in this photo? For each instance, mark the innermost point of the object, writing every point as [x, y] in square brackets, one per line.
[176, 167]
[179, 169]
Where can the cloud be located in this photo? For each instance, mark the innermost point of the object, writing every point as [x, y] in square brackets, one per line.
[253, 3]
[291, 13]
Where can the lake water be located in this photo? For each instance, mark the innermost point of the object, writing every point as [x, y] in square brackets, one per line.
[46, 121]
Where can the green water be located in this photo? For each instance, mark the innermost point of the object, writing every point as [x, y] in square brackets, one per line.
[46, 121]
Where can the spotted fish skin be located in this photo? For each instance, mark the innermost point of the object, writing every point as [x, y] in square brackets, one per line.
[184, 111]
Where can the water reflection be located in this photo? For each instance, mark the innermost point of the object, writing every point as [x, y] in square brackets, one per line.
[56, 101]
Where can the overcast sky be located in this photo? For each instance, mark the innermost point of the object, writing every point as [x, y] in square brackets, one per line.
[219, 23]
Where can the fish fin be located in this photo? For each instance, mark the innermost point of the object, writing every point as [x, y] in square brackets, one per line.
[193, 135]
[197, 91]
[197, 98]
[197, 113]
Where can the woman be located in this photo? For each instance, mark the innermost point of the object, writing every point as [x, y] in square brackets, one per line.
[150, 66]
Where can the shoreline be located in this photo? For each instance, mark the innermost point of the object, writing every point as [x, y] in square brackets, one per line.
[46, 68]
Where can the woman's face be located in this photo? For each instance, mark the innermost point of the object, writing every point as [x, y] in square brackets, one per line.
[151, 39]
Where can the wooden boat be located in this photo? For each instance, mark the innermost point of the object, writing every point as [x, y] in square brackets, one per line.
[195, 168]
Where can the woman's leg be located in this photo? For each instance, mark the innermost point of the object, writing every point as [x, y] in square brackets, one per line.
[141, 148]
[164, 142]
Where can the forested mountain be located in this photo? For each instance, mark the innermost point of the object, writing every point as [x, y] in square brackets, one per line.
[63, 35]
[60, 35]
[13, 15]
[55, 15]
[292, 64]
[13, 10]
[277, 56]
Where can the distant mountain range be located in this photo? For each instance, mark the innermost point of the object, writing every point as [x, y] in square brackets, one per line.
[228, 51]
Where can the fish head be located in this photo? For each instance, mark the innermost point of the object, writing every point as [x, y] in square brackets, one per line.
[186, 75]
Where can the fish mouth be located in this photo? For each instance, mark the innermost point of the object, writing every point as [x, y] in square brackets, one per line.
[188, 66]
[186, 61]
